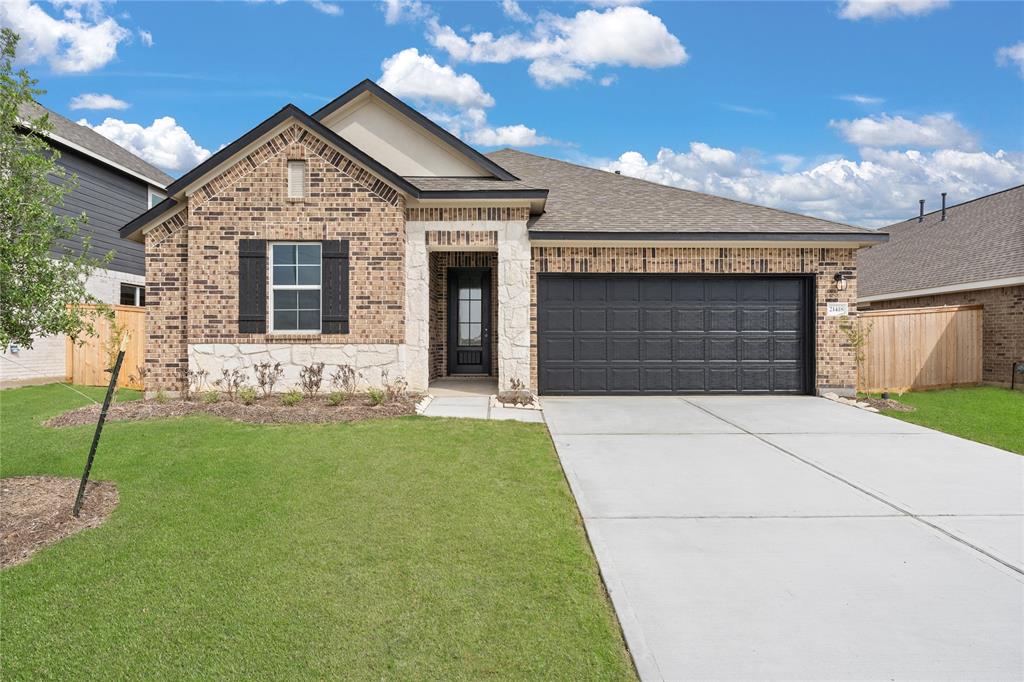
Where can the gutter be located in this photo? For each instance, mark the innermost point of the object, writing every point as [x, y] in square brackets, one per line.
[947, 289]
[619, 236]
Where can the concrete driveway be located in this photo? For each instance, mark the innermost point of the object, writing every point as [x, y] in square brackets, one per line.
[798, 538]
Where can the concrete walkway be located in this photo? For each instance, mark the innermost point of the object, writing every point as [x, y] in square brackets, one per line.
[797, 538]
[470, 398]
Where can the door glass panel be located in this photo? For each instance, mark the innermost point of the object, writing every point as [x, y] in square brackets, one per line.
[470, 311]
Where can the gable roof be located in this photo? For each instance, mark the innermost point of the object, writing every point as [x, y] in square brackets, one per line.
[981, 240]
[584, 202]
[67, 132]
[431, 128]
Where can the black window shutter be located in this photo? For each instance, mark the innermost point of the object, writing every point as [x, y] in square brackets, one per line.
[334, 311]
[252, 286]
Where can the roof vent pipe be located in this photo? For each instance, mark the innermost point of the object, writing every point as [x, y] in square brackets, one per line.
[943, 205]
[920, 215]
[618, 172]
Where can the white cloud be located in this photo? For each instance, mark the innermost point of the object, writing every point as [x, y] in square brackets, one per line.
[83, 40]
[146, 37]
[1014, 54]
[412, 75]
[455, 101]
[405, 10]
[864, 100]
[164, 143]
[934, 130]
[887, 9]
[329, 8]
[513, 11]
[753, 111]
[879, 189]
[608, 80]
[91, 100]
[565, 49]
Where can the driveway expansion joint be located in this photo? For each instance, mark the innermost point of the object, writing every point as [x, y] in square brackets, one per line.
[906, 512]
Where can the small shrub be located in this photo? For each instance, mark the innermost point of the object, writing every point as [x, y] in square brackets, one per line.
[195, 382]
[394, 390]
[291, 398]
[267, 375]
[345, 379]
[376, 396]
[335, 398]
[231, 380]
[211, 397]
[161, 397]
[310, 378]
[247, 395]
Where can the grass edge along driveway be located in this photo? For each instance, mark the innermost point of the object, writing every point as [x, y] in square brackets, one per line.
[390, 549]
[986, 414]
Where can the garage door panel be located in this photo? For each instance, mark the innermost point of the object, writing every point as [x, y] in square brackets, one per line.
[624, 320]
[755, 350]
[723, 379]
[591, 320]
[787, 379]
[722, 320]
[624, 379]
[657, 320]
[656, 349]
[723, 349]
[591, 349]
[755, 378]
[755, 320]
[556, 349]
[786, 320]
[657, 379]
[689, 320]
[624, 350]
[690, 380]
[689, 349]
[665, 334]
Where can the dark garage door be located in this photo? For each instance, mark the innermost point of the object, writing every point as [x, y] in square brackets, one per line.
[611, 334]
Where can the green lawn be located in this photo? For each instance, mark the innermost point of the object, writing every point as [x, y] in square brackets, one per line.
[986, 414]
[397, 549]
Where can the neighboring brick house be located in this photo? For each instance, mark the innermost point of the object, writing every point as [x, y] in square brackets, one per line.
[971, 253]
[113, 186]
[366, 235]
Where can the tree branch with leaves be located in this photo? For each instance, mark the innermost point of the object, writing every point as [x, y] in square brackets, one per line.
[41, 278]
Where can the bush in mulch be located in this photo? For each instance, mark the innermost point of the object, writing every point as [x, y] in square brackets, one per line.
[887, 404]
[35, 512]
[268, 410]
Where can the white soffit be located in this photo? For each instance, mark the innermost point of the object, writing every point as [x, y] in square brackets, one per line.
[398, 143]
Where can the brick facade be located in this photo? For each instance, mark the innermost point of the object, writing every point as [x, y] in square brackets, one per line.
[1002, 324]
[196, 268]
[835, 363]
[477, 239]
[440, 261]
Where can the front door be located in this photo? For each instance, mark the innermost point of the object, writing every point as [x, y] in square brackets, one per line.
[469, 321]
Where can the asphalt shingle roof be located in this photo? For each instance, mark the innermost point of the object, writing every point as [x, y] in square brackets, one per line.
[434, 184]
[94, 142]
[981, 239]
[584, 199]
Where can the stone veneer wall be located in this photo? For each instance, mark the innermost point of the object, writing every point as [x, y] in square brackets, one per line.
[476, 225]
[440, 261]
[193, 258]
[1002, 334]
[835, 366]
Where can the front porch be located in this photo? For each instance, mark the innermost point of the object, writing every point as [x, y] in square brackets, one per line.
[463, 316]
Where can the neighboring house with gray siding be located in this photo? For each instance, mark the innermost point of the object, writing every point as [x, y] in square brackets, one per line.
[113, 186]
[970, 253]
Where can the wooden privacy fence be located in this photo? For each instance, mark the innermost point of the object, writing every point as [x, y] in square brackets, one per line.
[88, 360]
[919, 348]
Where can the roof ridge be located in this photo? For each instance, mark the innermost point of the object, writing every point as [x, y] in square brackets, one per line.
[688, 191]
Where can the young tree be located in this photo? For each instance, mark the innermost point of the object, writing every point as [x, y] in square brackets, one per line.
[38, 278]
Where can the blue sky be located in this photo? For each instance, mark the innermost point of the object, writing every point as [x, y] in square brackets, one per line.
[848, 110]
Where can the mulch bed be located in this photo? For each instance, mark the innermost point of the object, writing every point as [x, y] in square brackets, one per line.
[888, 404]
[35, 512]
[265, 411]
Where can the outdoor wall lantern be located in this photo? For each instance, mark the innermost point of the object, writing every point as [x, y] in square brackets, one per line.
[841, 281]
